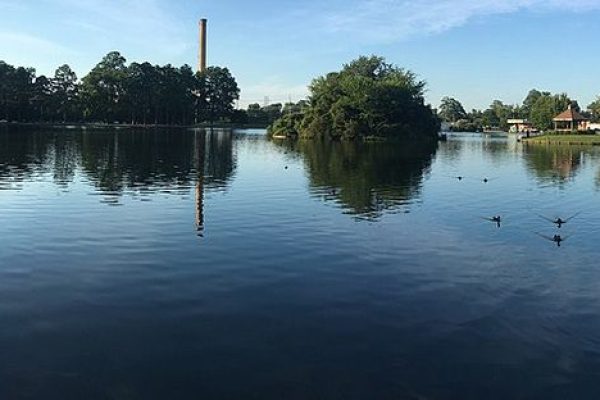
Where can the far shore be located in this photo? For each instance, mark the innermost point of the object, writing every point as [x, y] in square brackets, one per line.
[569, 139]
[100, 125]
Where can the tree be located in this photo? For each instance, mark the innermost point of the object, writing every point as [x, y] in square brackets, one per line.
[543, 111]
[272, 112]
[547, 106]
[594, 109]
[530, 100]
[140, 88]
[64, 91]
[6, 89]
[104, 88]
[367, 97]
[563, 102]
[255, 114]
[114, 91]
[490, 119]
[43, 100]
[23, 92]
[239, 117]
[220, 92]
[503, 113]
[451, 110]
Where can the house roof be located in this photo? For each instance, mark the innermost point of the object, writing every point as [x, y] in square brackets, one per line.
[569, 115]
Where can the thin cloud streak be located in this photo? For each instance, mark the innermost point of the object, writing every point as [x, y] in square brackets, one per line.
[23, 49]
[146, 25]
[393, 20]
[40, 46]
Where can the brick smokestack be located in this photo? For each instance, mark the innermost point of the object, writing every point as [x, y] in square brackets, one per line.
[202, 52]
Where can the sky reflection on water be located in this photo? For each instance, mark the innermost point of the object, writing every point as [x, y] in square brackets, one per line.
[358, 271]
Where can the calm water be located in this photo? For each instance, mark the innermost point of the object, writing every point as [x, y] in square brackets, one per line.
[196, 265]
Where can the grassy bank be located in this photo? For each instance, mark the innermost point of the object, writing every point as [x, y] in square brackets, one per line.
[552, 138]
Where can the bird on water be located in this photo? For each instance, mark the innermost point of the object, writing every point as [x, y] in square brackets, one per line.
[559, 221]
[497, 219]
[558, 239]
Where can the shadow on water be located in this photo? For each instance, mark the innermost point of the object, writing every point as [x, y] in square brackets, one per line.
[366, 179]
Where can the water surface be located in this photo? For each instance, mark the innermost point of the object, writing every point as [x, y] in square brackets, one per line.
[157, 264]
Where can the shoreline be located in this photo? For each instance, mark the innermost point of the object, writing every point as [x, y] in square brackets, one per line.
[565, 139]
[97, 125]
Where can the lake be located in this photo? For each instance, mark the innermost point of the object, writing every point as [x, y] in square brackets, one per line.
[220, 265]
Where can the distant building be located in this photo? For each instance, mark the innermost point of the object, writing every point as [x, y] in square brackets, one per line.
[519, 125]
[594, 126]
[571, 121]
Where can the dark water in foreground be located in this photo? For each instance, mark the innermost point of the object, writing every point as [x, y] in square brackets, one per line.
[193, 265]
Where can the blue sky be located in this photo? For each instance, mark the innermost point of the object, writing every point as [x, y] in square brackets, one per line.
[474, 50]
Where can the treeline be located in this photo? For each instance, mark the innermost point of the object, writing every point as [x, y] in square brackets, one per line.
[115, 92]
[265, 116]
[368, 97]
[538, 108]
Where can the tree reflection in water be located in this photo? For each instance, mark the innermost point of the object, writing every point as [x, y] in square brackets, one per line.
[117, 163]
[367, 179]
[553, 164]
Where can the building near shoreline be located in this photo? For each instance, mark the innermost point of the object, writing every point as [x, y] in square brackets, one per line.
[519, 125]
[571, 121]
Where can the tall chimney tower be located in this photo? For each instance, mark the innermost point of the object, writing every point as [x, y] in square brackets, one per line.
[202, 52]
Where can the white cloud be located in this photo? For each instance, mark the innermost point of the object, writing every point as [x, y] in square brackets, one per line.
[391, 20]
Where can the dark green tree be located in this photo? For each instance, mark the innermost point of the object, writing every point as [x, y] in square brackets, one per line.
[64, 92]
[368, 97]
[543, 111]
[272, 112]
[220, 91]
[549, 106]
[594, 109]
[530, 100]
[103, 89]
[451, 110]
[22, 90]
[256, 114]
[43, 100]
[6, 90]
